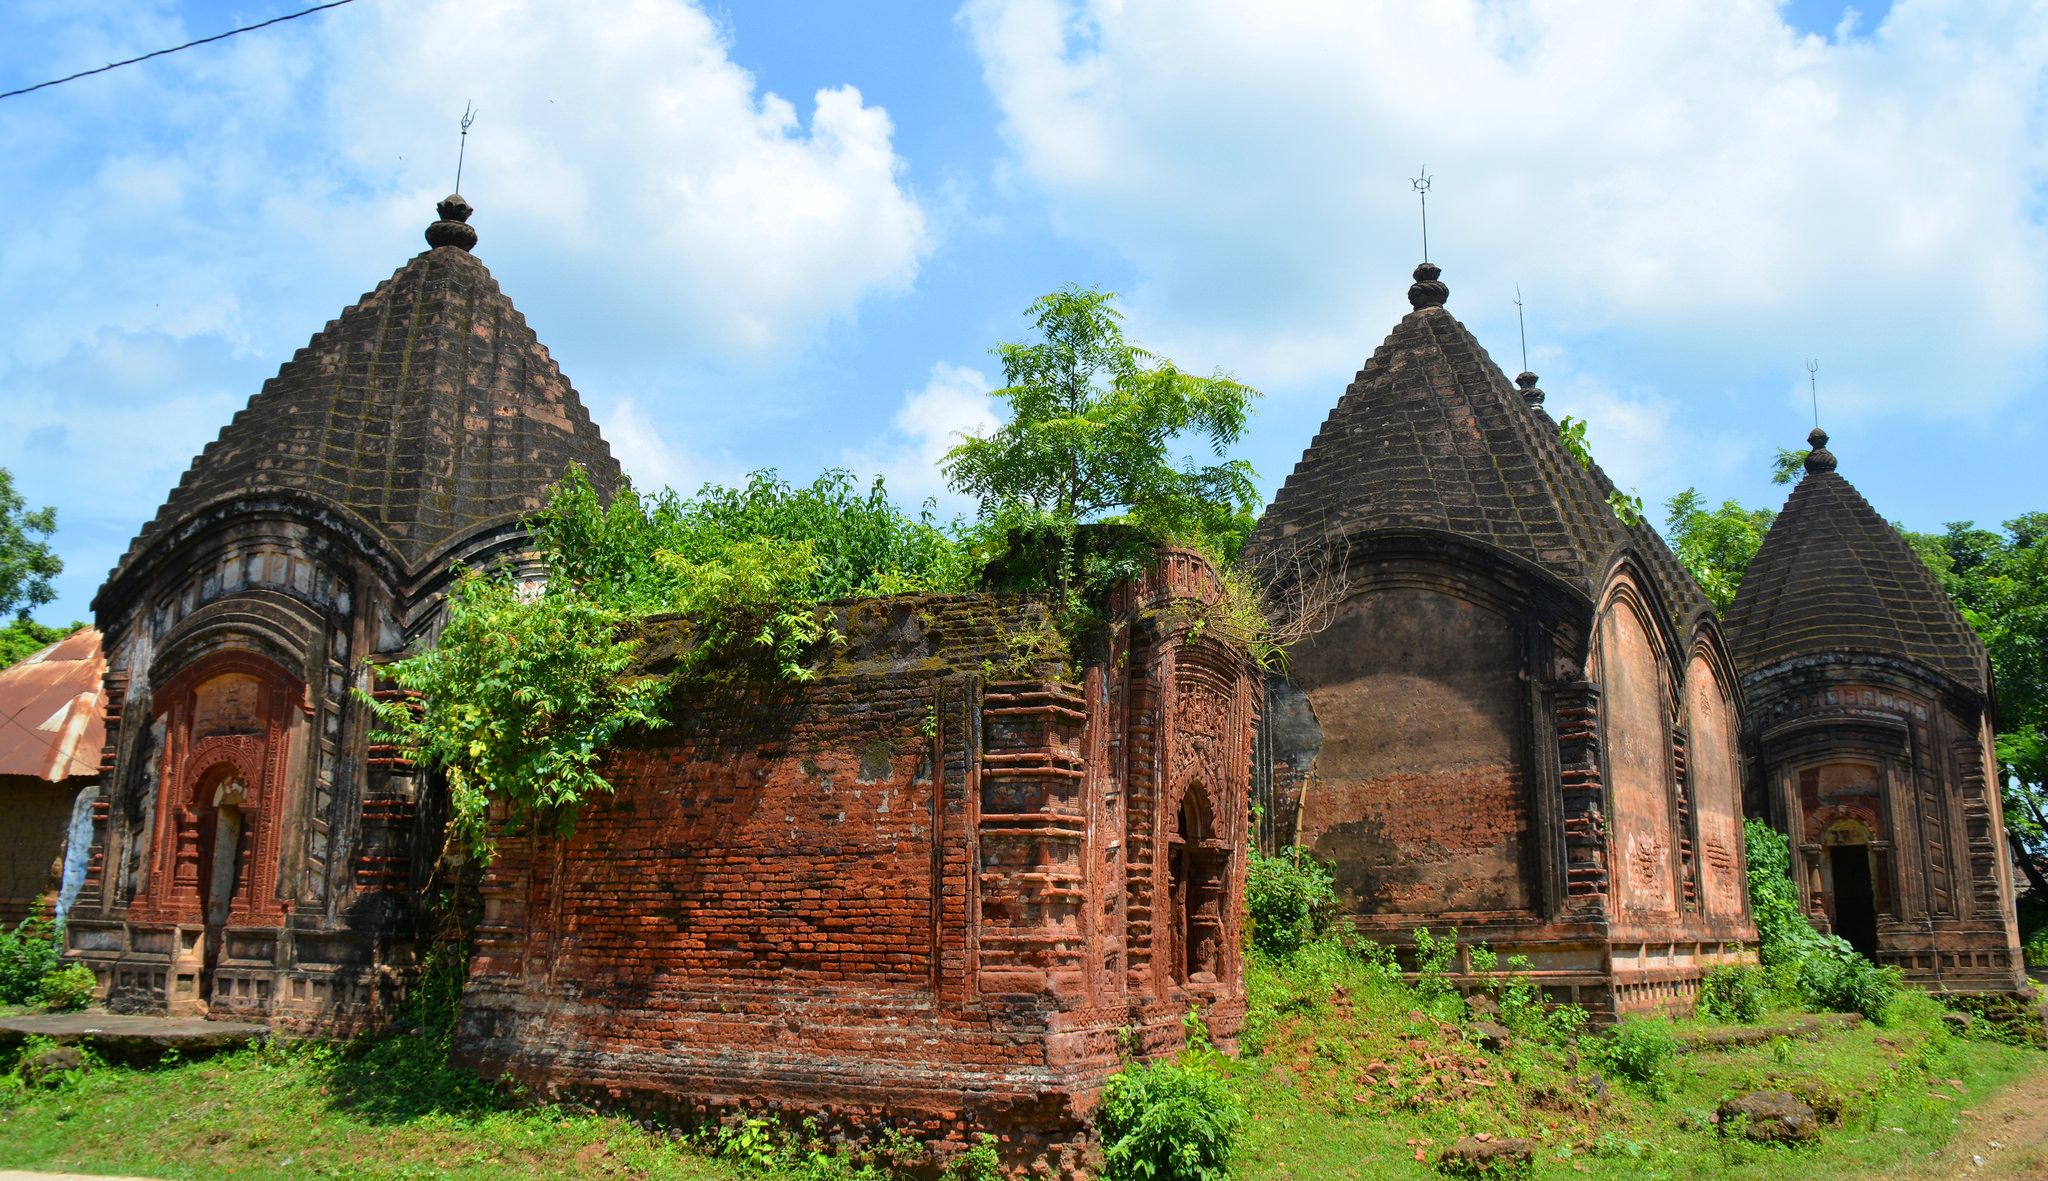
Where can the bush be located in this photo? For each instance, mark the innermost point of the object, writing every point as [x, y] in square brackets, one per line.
[1637, 1049]
[1834, 977]
[27, 955]
[69, 987]
[2036, 949]
[1172, 1120]
[1291, 900]
[1822, 971]
[1735, 992]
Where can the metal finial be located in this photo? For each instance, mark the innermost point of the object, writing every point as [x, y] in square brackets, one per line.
[461, 151]
[1813, 387]
[1523, 326]
[1421, 184]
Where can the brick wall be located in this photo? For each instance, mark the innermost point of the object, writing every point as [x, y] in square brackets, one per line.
[927, 889]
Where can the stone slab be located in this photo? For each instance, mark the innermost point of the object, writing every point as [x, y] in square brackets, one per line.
[129, 1037]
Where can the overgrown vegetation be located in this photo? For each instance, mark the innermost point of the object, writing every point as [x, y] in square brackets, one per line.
[529, 682]
[32, 971]
[1820, 972]
[1174, 1119]
[1290, 900]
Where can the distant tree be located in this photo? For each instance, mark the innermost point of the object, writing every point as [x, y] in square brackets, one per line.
[1789, 465]
[27, 563]
[2000, 581]
[1093, 422]
[27, 566]
[1715, 545]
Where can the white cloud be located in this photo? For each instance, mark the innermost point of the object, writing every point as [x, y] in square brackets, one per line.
[953, 404]
[650, 460]
[1696, 176]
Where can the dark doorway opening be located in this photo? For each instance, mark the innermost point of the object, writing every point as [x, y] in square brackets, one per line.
[1855, 902]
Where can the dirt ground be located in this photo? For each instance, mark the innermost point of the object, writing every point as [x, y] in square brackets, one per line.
[2004, 1138]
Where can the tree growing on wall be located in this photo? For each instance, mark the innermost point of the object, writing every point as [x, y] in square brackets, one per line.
[1094, 420]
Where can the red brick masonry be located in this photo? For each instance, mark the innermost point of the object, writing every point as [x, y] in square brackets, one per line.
[934, 888]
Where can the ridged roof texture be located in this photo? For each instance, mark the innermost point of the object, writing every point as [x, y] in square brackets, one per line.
[1834, 578]
[429, 408]
[1430, 435]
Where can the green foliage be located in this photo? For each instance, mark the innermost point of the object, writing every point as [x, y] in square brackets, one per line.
[69, 987]
[1715, 545]
[1821, 972]
[28, 954]
[22, 637]
[527, 687]
[28, 565]
[979, 1163]
[1627, 507]
[1434, 959]
[1788, 465]
[1735, 992]
[1639, 1049]
[1093, 421]
[1522, 1006]
[1171, 1120]
[517, 701]
[1291, 900]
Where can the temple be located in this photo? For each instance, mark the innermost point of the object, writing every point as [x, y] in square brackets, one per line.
[253, 852]
[1518, 718]
[1869, 715]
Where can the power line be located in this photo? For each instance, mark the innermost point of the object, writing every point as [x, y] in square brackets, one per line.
[276, 20]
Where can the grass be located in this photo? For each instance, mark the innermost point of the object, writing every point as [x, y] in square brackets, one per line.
[1347, 1072]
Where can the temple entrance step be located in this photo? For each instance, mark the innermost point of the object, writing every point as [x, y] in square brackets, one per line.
[131, 1038]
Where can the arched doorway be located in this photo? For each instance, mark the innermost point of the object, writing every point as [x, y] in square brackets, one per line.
[1851, 884]
[221, 799]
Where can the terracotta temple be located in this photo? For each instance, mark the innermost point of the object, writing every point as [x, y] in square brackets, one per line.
[253, 853]
[1521, 720]
[1869, 719]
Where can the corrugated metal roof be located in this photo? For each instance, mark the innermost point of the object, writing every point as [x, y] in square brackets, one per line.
[52, 718]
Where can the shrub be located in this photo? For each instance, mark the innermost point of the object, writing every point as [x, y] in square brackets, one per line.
[1171, 1120]
[27, 955]
[69, 987]
[1823, 971]
[2036, 949]
[1291, 899]
[1434, 958]
[1834, 977]
[1735, 992]
[1637, 1049]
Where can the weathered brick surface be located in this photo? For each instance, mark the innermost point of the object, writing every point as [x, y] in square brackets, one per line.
[927, 889]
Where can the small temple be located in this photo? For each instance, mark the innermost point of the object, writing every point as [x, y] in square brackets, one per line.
[1869, 718]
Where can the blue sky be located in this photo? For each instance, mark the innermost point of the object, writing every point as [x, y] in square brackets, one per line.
[786, 234]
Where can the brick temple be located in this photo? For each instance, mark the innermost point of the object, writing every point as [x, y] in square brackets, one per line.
[1869, 715]
[1521, 720]
[253, 854]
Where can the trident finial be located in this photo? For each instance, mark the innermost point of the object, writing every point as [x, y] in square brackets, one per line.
[468, 117]
[1813, 387]
[1421, 184]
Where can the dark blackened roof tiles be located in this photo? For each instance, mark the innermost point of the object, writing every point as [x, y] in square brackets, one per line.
[1835, 578]
[1431, 436]
[429, 409]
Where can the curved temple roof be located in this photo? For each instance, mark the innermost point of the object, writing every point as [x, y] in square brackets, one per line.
[1834, 577]
[1431, 435]
[428, 408]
